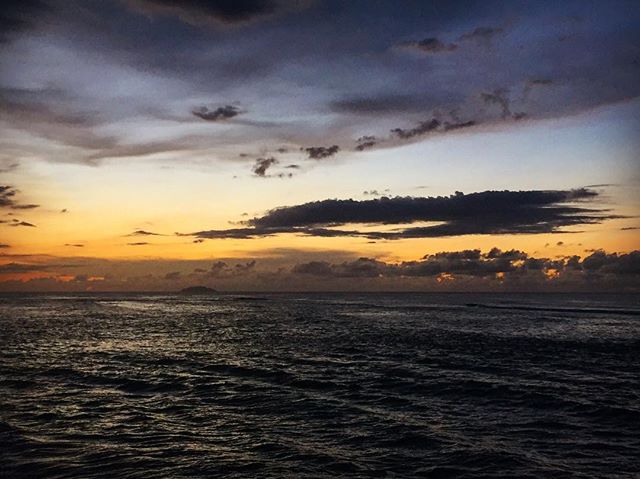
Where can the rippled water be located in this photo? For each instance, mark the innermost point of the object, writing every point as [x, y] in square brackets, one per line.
[405, 385]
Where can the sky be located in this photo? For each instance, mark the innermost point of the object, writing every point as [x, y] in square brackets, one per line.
[317, 145]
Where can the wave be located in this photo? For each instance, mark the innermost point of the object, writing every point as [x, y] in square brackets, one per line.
[511, 307]
[441, 386]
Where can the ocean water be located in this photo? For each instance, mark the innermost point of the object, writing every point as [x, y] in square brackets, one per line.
[319, 385]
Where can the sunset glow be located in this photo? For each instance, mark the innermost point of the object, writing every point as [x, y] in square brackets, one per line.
[166, 148]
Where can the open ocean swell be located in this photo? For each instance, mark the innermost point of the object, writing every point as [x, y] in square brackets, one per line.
[319, 385]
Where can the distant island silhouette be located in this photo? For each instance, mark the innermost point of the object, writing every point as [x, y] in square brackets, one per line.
[197, 290]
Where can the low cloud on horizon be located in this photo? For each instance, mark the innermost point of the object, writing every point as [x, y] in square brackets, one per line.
[464, 270]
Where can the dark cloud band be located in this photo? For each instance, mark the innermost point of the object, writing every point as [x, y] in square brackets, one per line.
[489, 212]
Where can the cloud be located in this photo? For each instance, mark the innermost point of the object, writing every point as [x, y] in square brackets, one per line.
[244, 267]
[457, 126]
[6, 196]
[138, 243]
[22, 223]
[18, 15]
[234, 233]
[360, 268]
[4, 245]
[432, 125]
[532, 207]
[422, 128]
[321, 152]
[10, 268]
[376, 105]
[144, 233]
[433, 45]
[75, 245]
[7, 199]
[430, 46]
[532, 83]
[497, 264]
[499, 97]
[113, 149]
[22, 268]
[216, 12]
[222, 269]
[218, 266]
[25, 207]
[315, 268]
[496, 253]
[540, 81]
[51, 114]
[320, 270]
[488, 212]
[365, 142]
[262, 165]
[81, 120]
[219, 114]
[602, 263]
[6, 167]
[481, 34]
[66, 120]
[174, 275]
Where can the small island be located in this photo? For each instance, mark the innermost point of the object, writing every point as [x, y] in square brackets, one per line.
[197, 290]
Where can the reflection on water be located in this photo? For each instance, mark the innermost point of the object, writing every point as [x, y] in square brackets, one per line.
[404, 385]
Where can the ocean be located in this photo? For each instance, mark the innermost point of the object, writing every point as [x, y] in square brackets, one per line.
[319, 385]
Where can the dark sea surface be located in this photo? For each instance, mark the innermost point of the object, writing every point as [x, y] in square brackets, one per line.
[319, 385]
